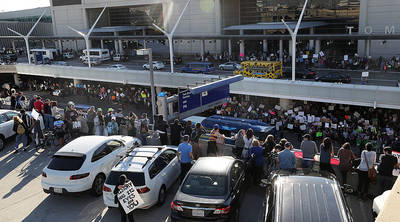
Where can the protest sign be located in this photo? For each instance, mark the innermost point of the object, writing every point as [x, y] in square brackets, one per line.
[318, 134]
[301, 120]
[129, 198]
[301, 113]
[321, 53]
[315, 56]
[261, 106]
[249, 109]
[35, 114]
[334, 126]
[305, 56]
[290, 111]
[356, 114]
[330, 108]
[277, 107]
[272, 121]
[290, 126]
[296, 109]
[317, 119]
[346, 57]
[326, 125]
[303, 127]
[309, 119]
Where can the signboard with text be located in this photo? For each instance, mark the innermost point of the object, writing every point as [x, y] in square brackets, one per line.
[129, 198]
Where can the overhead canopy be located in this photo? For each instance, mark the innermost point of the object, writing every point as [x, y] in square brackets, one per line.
[117, 29]
[274, 26]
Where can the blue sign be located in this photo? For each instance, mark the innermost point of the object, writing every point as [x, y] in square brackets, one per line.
[39, 57]
[188, 101]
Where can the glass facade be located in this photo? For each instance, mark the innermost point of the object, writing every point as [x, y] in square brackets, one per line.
[144, 15]
[255, 11]
[66, 2]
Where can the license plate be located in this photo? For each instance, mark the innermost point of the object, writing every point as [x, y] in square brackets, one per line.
[198, 213]
[57, 190]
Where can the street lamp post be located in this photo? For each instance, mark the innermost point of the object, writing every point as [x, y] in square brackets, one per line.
[26, 37]
[171, 34]
[149, 52]
[87, 35]
[293, 34]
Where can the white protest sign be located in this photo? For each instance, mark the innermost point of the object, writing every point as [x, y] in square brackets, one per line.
[330, 108]
[301, 113]
[35, 114]
[296, 109]
[315, 56]
[290, 111]
[356, 114]
[367, 122]
[303, 127]
[279, 123]
[309, 119]
[317, 119]
[261, 106]
[364, 74]
[277, 107]
[334, 126]
[305, 56]
[321, 53]
[272, 121]
[249, 109]
[129, 198]
[290, 126]
[346, 57]
[301, 120]
[326, 125]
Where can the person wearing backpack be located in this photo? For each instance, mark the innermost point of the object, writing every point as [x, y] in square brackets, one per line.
[143, 124]
[20, 129]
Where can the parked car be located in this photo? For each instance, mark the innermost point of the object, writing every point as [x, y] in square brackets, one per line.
[61, 92]
[157, 65]
[93, 61]
[378, 202]
[231, 66]
[84, 164]
[120, 58]
[152, 169]
[199, 67]
[68, 55]
[6, 125]
[303, 196]
[8, 58]
[60, 63]
[211, 191]
[117, 66]
[302, 73]
[333, 77]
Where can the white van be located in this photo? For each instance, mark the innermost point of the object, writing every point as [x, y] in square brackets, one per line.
[100, 54]
[50, 54]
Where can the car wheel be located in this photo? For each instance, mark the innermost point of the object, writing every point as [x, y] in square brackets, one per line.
[161, 196]
[235, 216]
[1, 143]
[97, 187]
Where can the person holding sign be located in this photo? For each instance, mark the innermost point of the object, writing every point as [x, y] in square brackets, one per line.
[122, 180]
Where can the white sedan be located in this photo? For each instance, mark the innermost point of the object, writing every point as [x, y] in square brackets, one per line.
[157, 65]
[84, 163]
[232, 66]
[117, 66]
[152, 170]
[6, 125]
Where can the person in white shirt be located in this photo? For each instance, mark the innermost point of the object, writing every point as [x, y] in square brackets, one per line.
[368, 158]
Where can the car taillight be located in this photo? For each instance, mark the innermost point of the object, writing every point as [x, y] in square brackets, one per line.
[312, 73]
[44, 174]
[79, 176]
[176, 207]
[143, 190]
[224, 210]
[106, 189]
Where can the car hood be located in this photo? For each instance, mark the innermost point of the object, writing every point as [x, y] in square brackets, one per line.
[379, 202]
[182, 197]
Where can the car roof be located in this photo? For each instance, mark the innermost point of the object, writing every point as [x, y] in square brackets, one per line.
[84, 144]
[138, 158]
[212, 165]
[6, 110]
[200, 63]
[308, 198]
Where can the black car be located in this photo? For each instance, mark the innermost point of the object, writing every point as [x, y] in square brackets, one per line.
[302, 73]
[211, 190]
[304, 196]
[333, 77]
[177, 61]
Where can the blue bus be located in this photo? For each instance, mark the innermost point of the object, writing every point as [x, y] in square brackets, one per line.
[198, 67]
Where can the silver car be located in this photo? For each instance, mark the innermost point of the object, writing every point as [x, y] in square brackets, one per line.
[231, 66]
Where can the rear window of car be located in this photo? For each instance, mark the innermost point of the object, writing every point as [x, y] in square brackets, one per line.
[205, 185]
[66, 163]
[137, 178]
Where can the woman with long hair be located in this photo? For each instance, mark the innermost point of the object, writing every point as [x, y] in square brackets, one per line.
[346, 156]
[368, 158]
[248, 140]
[269, 144]
[326, 154]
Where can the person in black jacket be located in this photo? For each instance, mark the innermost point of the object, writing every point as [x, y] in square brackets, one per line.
[122, 180]
[20, 129]
[176, 132]
[162, 126]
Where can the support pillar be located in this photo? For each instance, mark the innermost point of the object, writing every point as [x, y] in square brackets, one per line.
[230, 47]
[368, 48]
[285, 104]
[13, 45]
[317, 46]
[60, 45]
[43, 44]
[116, 43]
[102, 44]
[17, 80]
[120, 49]
[202, 49]
[144, 40]
[76, 46]
[311, 42]
[265, 43]
[281, 50]
[290, 47]
[241, 46]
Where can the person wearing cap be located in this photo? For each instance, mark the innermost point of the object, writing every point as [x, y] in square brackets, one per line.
[59, 129]
[287, 159]
[112, 127]
[213, 141]
[385, 170]
[185, 156]
[309, 149]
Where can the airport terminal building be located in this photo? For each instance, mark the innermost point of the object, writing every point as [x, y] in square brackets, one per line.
[235, 17]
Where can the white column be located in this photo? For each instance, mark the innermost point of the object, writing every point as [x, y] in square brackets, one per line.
[13, 45]
[43, 45]
[60, 45]
[281, 50]
[242, 43]
[116, 43]
[317, 46]
[290, 47]
[230, 47]
[76, 46]
[202, 48]
[265, 43]
[144, 40]
[311, 42]
[121, 50]
[368, 48]
[102, 44]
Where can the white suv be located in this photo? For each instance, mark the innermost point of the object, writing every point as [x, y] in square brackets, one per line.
[152, 169]
[6, 125]
[84, 163]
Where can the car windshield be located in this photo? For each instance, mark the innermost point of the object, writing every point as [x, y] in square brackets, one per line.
[66, 163]
[205, 185]
[137, 178]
